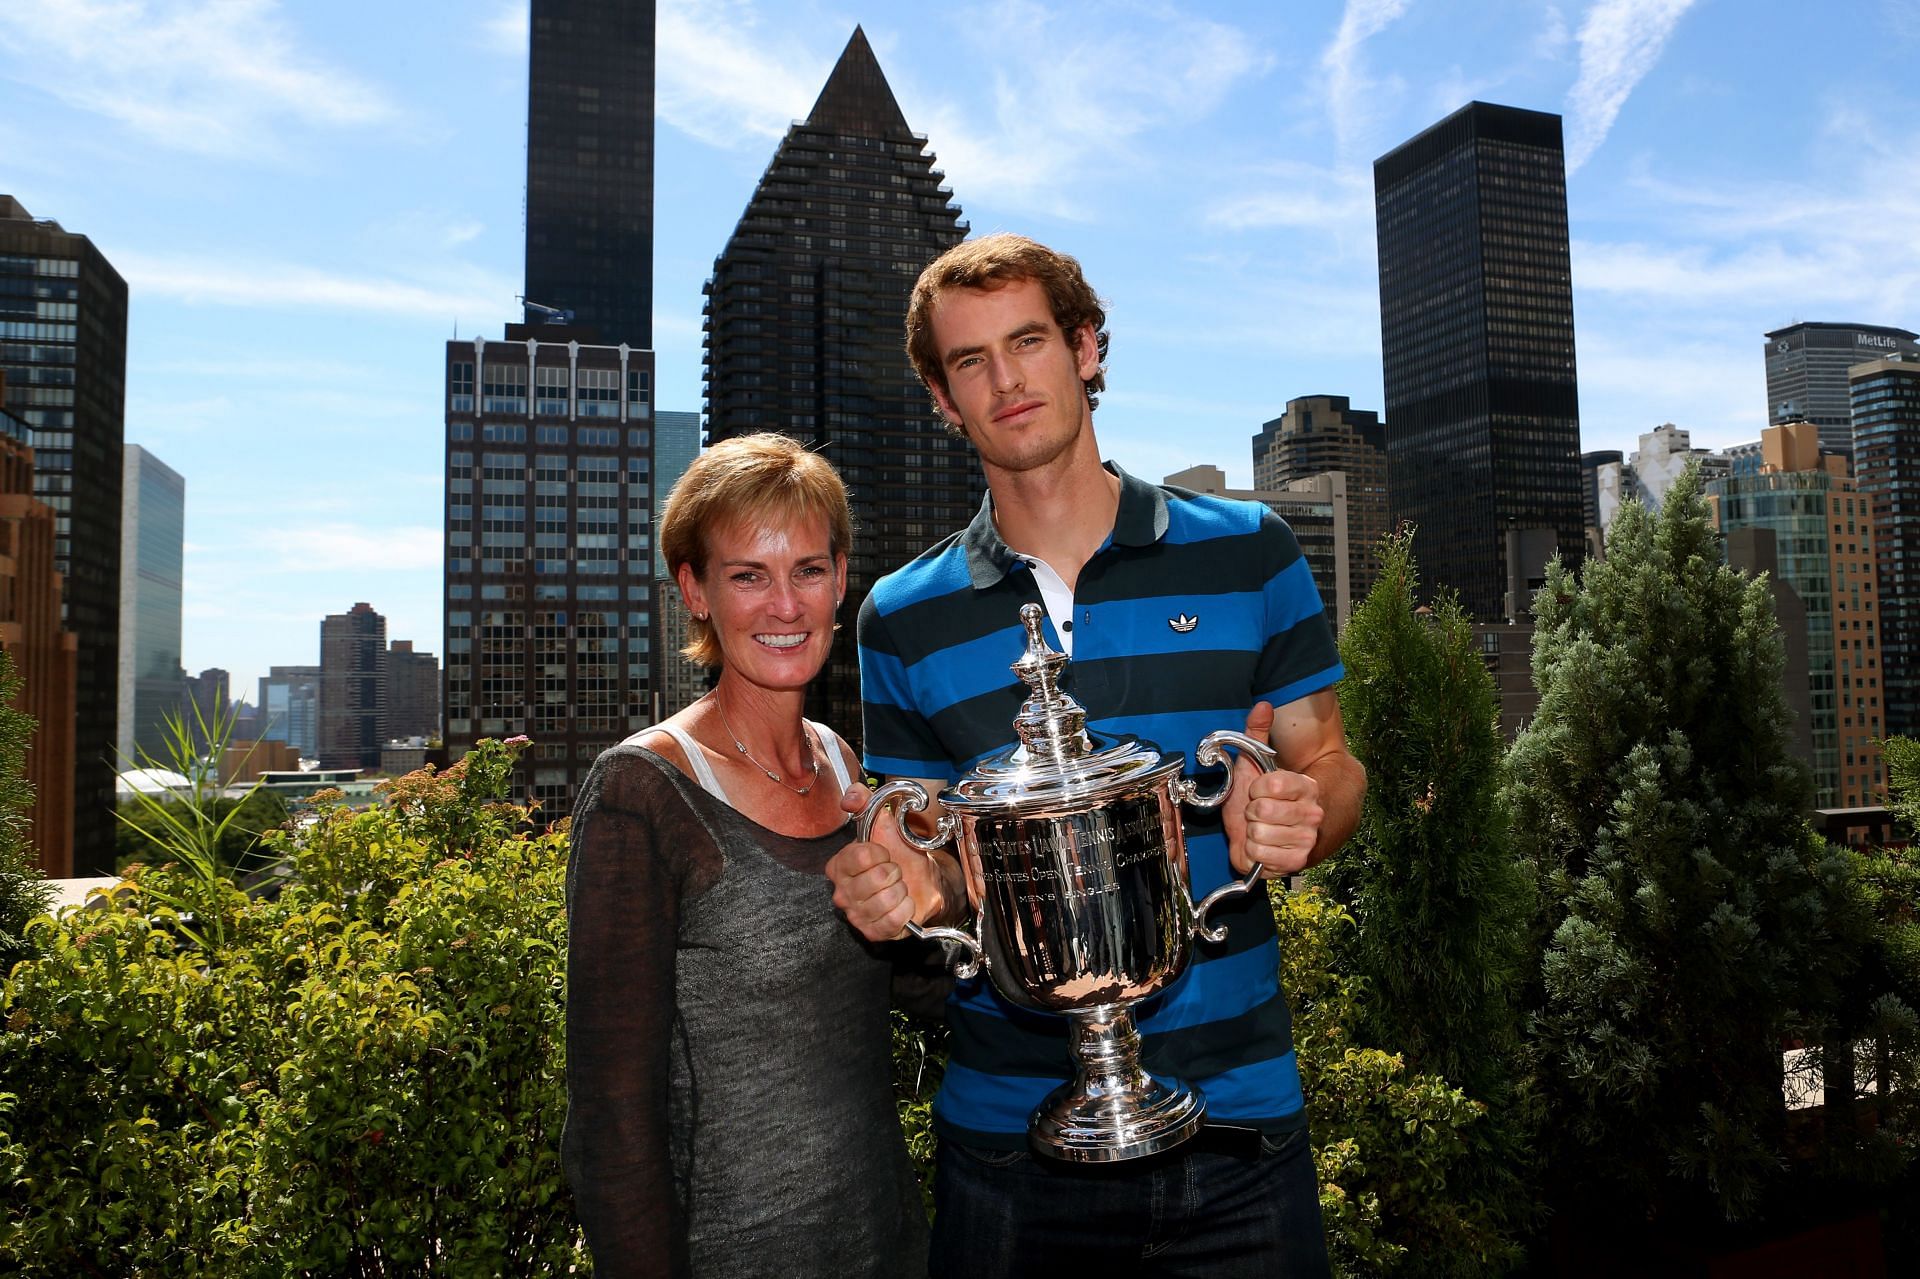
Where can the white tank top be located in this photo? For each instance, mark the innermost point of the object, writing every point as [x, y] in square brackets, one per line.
[830, 746]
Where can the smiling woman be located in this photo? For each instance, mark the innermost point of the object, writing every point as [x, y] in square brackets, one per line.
[729, 1077]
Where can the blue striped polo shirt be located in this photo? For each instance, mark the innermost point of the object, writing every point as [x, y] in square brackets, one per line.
[1193, 609]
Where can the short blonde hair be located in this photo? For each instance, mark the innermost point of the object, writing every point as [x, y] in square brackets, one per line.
[765, 480]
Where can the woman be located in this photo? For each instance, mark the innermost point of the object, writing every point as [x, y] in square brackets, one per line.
[728, 1047]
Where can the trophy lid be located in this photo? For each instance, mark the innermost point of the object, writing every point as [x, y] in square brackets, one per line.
[1059, 762]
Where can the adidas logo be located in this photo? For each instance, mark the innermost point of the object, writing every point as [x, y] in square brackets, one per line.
[1183, 623]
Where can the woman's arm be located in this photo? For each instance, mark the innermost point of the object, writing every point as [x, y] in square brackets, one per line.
[623, 914]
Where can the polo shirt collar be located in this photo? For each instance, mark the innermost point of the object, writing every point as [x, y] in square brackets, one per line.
[1140, 521]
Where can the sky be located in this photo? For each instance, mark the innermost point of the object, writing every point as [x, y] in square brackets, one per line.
[308, 200]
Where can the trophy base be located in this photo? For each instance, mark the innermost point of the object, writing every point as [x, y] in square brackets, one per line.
[1112, 1110]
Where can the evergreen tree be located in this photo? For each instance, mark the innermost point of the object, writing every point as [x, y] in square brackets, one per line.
[1691, 918]
[1441, 902]
[1430, 877]
[24, 892]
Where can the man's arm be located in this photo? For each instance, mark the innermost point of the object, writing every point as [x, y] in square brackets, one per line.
[882, 883]
[1300, 814]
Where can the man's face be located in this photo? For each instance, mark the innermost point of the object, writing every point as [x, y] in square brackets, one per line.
[1015, 383]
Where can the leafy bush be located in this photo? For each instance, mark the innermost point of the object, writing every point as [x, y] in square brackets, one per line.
[1390, 1144]
[24, 891]
[362, 1077]
[243, 825]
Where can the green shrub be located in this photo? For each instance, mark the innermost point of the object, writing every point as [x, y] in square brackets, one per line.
[362, 1077]
[1390, 1144]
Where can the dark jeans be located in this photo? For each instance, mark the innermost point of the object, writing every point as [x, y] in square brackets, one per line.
[1198, 1211]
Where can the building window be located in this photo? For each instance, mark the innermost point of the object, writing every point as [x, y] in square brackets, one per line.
[551, 385]
[504, 389]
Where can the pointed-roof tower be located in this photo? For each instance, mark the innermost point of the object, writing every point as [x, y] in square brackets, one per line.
[806, 317]
[856, 98]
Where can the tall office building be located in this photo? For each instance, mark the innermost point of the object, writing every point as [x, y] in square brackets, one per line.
[413, 693]
[1886, 451]
[45, 653]
[1322, 433]
[1476, 328]
[806, 317]
[549, 568]
[63, 346]
[590, 166]
[1823, 534]
[548, 600]
[353, 687]
[153, 521]
[1807, 374]
[289, 708]
[677, 682]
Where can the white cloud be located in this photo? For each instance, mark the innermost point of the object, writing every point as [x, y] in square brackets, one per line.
[1619, 43]
[217, 77]
[1304, 197]
[1070, 99]
[723, 80]
[356, 548]
[506, 31]
[475, 297]
[1348, 86]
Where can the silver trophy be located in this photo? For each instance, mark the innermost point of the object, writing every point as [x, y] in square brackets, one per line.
[1074, 856]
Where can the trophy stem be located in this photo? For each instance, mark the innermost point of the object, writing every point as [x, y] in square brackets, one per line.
[1112, 1109]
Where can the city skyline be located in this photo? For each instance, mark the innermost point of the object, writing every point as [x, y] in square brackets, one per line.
[302, 215]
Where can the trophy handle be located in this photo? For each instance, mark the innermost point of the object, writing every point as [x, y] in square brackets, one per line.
[913, 799]
[1211, 751]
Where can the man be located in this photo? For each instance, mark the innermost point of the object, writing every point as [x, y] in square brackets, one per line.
[1180, 613]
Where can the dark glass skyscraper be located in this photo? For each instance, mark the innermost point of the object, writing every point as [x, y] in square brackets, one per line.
[1476, 328]
[63, 346]
[806, 317]
[1886, 444]
[590, 166]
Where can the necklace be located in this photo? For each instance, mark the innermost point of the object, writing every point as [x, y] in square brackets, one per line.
[812, 754]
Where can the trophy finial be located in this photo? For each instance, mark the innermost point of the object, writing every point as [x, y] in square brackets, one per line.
[1050, 723]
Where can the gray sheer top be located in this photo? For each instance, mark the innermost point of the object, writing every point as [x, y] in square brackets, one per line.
[729, 1073]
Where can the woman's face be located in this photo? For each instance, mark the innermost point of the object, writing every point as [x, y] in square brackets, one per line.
[770, 594]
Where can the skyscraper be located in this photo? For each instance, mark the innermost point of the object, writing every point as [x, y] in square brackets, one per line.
[290, 708]
[549, 491]
[1476, 328]
[413, 693]
[590, 166]
[806, 318]
[1823, 533]
[45, 654]
[677, 682]
[1807, 374]
[549, 568]
[353, 687]
[1886, 450]
[63, 346]
[153, 519]
[1322, 433]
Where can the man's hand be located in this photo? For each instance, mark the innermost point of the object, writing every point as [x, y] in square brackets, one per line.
[1272, 819]
[882, 883]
